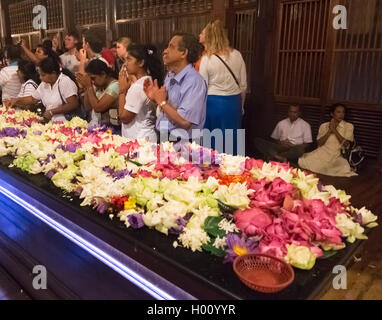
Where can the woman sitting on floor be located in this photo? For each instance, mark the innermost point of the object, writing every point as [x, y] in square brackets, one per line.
[327, 159]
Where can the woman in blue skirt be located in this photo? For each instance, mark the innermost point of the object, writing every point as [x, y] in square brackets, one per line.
[224, 70]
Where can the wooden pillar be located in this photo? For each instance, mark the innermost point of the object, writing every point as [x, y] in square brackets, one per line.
[5, 22]
[68, 15]
[108, 21]
[219, 10]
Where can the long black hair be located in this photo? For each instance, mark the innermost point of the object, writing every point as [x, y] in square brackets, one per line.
[51, 65]
[98, 67]
[151, 58]
[29, 71]
[334, 107]
[47, 48]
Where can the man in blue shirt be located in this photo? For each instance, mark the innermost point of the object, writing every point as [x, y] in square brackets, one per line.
[182, 99]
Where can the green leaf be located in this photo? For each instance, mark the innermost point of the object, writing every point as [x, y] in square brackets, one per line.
[226, 209]
[211, 226]
[136, 163]
[209, 247]
[329, 254]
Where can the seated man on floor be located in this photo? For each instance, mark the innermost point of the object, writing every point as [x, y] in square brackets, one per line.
[291, 138]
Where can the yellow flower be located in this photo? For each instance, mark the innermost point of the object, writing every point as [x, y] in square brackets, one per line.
[239, 250]
[130, 204]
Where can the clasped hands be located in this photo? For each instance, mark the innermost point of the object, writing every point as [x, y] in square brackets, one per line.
[153, 91]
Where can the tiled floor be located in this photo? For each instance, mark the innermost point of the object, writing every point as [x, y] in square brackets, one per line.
[9, 289]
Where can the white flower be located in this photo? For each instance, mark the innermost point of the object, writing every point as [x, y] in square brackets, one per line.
[194, 239]
[232, 165]
[235, 195]
[368, 218]
[228, 226]
[350, 229]
[220, 243]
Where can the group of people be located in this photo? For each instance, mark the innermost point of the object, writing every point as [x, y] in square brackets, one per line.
[194, 85]
[292, 138]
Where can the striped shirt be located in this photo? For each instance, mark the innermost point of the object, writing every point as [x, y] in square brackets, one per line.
[10, 82]
[27, 89]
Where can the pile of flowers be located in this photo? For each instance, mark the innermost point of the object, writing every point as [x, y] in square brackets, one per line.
[217, 203]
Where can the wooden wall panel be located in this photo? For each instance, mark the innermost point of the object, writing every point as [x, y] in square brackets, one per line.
[358, 54]
[317, 65]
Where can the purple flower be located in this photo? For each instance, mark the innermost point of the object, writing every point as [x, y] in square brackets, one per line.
[100, 204]
[78, 130]
[9, 132]
[118, 175]
[50, 174]
[49, 157]
[96, 128]
[136, 221]
[319, 187]
[38, 133]
[60, 146]
[23, 133]
[78, 191]
[103, 207]
[109, 170]
[72, 148]
[182, 223]
[238, 246]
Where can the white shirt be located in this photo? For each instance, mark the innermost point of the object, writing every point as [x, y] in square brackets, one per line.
[143, 125]
[298, 132]
[50, 95]
[27, 89]
[70, 62]
[10, 82]
[219, 80]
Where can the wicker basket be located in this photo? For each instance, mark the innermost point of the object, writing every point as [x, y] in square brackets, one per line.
[263, 273]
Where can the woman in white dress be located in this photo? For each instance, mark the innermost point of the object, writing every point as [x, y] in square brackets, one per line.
[327, 159]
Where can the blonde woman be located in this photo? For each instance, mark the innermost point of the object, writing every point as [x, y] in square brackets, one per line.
[224, 70]
[122, 45]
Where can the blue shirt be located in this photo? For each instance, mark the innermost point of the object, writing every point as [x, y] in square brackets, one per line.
[187, 92]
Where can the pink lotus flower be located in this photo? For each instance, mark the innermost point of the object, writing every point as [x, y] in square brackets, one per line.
[252, 222]
[252, 163]
[269, 195]
[128, 148]
[190, 170]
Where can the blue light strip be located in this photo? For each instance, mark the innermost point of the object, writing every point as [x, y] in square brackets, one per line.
[95, 251]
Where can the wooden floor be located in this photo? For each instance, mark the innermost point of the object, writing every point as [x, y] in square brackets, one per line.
[364, 280]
